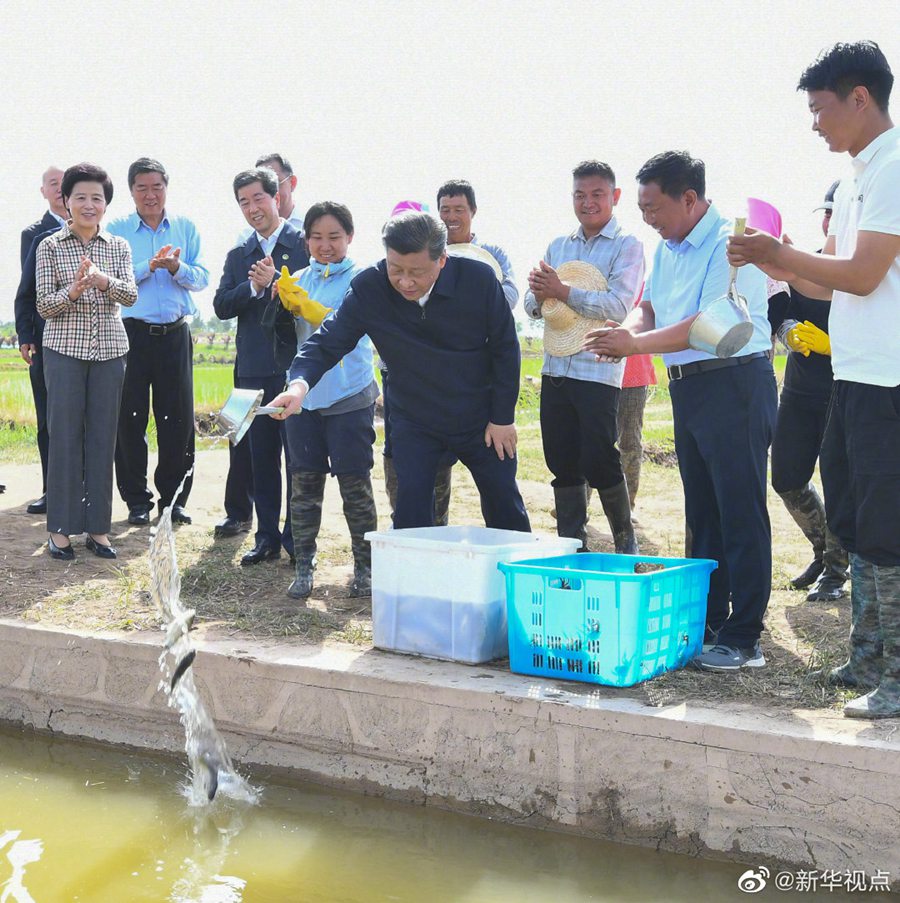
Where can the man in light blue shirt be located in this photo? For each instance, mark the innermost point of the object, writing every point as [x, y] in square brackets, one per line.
[168, 268]
[580, 395]
[724, 409]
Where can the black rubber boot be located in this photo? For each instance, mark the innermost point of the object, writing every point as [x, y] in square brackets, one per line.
[571, 513]
[359, 510]
[617, 509]
[307, 492]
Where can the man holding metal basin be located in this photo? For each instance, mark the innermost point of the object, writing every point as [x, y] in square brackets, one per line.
[446, 333]
[848, 89]
[712, 330]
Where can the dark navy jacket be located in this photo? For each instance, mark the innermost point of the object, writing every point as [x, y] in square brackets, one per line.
[47, 223]
[29, 323]
[255, 350]
[454, 364]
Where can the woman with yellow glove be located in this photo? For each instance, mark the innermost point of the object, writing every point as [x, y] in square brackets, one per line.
[801, 324]
[334, 432]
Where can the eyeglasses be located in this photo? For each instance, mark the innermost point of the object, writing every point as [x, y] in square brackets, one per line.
[285, 179]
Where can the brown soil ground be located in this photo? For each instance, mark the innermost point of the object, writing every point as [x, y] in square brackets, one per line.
[243, 602]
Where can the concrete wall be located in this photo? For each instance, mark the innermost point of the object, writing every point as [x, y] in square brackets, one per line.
[804, 789]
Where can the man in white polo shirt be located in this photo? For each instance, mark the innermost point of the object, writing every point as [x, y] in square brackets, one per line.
[848, 89]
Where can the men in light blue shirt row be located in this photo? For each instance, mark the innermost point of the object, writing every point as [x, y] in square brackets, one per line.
[579, 395]
[168, 268]
[724, 409]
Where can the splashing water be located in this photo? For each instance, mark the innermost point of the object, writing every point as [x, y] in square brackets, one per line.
[211, 768]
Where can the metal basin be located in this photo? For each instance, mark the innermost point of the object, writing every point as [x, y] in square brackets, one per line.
[238, 412]
[723, 329]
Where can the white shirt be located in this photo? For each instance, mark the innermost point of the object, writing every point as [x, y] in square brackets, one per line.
[267, 245]
[865, 331]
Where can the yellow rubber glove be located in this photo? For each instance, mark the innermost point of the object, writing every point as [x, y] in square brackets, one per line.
[814, 338]
[296, 299]
[795, 342]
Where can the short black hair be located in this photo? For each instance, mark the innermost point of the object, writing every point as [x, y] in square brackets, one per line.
[455, 188]
[276, 158]
[146, 164]
[675, 172]
[262, 174]
[409, 233]
[85, 172]
[594, 168]
[328, 208]
[847, 66]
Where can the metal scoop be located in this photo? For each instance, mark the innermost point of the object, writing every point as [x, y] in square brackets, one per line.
[238, 412]
[724, 327]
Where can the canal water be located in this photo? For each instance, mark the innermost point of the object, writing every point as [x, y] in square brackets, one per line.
[81, 822]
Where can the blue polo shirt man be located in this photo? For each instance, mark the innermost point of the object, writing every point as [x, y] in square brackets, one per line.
[168, 269]
[724, 409]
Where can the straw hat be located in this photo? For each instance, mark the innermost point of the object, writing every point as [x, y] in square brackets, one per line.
[564, 328]
[474, 252]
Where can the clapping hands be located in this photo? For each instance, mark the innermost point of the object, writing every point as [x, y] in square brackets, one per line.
[167, 259]
[87, 276]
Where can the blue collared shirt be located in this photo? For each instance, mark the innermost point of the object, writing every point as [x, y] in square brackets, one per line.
[163, 298]
[620, 257]
[688, 276]
[510, 292]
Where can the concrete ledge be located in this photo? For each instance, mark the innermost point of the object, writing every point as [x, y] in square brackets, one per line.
[803, 789]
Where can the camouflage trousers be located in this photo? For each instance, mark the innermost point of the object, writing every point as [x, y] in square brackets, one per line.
[630, 426]
[307, 493]
[874, 659]
[808, 511]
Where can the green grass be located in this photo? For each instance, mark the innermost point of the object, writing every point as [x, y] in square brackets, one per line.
[213, 383]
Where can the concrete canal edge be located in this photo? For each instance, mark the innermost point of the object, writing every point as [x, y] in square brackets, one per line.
[800, 789]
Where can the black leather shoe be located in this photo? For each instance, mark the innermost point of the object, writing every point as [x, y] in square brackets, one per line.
[139, 515]
[100, 550]
[38, 506]
[180, 516]
[60, 553]
[231, 526]
[262, 551]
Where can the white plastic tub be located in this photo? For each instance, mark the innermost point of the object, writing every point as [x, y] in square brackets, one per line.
[436, 591]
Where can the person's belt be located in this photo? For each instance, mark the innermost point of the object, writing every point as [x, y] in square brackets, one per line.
[680, 371]
[158, 328]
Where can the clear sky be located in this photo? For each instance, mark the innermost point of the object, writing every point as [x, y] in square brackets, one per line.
[374, 102]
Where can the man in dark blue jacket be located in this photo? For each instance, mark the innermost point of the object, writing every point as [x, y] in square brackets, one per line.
[29, 324]
[245, 292]
[445, 331]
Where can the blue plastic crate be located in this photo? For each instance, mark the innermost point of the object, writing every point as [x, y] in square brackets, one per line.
[590, 617]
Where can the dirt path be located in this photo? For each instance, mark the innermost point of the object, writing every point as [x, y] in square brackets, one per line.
[236, 601]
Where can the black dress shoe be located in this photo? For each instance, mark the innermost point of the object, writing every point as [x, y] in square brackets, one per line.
[262, 551]
[60, 553]
[231, 526]
[38, 506]
[180, 516]
[139, 515]
[100, 550]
